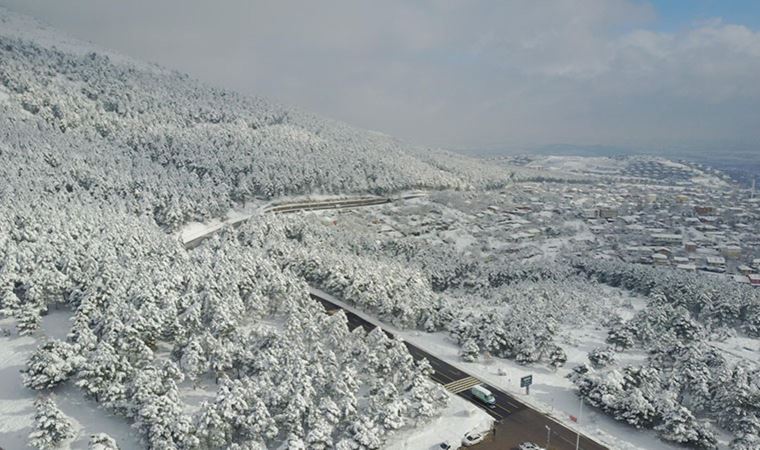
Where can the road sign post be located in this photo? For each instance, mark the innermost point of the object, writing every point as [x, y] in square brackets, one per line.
[525, 382]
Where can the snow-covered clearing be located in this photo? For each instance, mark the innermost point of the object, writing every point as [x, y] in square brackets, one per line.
[699, 177]
[459, 417]
[739, 348]
[16, 410]
[459, 238]
[709, 181]
[88, 418]
[17, 402]
[194, 393]
[194, 230]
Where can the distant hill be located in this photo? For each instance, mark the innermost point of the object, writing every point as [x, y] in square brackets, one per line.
[81, 124]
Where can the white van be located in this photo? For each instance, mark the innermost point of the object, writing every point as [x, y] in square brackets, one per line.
[484, 395]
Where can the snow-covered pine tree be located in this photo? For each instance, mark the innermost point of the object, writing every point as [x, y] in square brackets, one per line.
[102, 441]
[319, 436]
[51, 426]
[679, 425]
[557, 357]
[52, 363]
[104, 376]
[28, 318]
[469, 351]
[601, 357]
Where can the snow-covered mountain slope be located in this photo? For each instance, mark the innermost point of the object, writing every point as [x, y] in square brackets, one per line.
[82, 121]
[115, 323]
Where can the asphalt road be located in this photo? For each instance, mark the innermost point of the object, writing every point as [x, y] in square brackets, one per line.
[516, 422]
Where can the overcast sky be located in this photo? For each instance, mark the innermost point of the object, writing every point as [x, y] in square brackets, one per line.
[463, 74]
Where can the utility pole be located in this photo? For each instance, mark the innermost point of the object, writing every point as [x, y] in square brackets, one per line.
[578, 429]
[548, 436]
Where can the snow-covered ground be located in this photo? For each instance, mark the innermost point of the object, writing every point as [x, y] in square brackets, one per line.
[699, 177]
[709, 181]
[577, 164]
[194, 393]
[605, 166]
[193, 230]
[739, 348]
[551, 392]
[459, 417]
[17, 402]
[16, 410]
[3, 94]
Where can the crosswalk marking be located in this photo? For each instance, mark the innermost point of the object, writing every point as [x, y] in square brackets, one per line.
[461, 385]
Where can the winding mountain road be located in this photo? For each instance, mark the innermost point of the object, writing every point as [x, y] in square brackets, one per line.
[298, 206]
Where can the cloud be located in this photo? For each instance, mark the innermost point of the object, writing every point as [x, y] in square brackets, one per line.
[451, 73]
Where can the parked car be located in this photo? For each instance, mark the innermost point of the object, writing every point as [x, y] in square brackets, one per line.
[530, 446]
[472, 438]
[446, 446]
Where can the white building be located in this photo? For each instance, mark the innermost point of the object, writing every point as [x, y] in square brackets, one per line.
[717, 262]
[660, 259]
[667, 238]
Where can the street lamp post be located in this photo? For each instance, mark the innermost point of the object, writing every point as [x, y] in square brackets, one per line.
[548, 436]
[578, 426]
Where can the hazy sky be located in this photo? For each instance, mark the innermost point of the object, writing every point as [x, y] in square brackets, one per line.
[463, 74]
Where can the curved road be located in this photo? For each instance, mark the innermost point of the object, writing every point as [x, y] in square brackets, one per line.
[286, 208]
